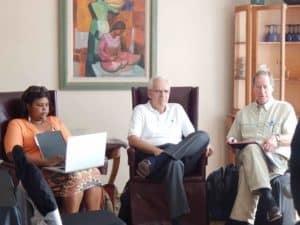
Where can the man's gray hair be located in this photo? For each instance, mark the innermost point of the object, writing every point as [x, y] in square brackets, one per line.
[263, 70]
[154, 78]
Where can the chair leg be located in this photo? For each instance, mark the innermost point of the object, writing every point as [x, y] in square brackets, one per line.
[115, 155]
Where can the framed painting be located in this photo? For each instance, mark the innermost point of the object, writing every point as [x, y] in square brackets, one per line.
[107, 44]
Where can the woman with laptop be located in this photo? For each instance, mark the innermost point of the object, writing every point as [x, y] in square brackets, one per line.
[73, 188]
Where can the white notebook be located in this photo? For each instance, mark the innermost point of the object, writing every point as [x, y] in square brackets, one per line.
[241, 144]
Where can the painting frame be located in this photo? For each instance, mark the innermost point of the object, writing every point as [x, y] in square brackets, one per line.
[69, 81]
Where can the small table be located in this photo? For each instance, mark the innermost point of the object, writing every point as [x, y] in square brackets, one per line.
[113, 147]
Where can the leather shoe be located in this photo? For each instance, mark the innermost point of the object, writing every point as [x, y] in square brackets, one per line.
[144, 168]
[274, 214]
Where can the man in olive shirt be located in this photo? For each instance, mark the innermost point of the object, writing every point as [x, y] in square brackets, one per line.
[271, 123]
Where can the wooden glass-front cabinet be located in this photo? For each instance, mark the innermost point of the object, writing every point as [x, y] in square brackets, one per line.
[266, 34]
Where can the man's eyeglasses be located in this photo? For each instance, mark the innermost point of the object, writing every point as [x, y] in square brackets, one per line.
[156, 91]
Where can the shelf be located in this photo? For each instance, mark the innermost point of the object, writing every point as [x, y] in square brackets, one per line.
[240, 42]
[286, 79]
[292, 43]
[269, 43]
[292, 79]
[278, 43]
[281, 57]
[239, 78]
[296, 6]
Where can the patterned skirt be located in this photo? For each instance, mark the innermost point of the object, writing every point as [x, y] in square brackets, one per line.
[64, 185]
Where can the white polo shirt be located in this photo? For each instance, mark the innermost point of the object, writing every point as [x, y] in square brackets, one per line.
[160, 128]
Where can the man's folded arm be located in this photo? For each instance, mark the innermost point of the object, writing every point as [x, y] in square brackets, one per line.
[136, 142]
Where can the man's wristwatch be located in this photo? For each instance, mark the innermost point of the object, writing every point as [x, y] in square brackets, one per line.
[277, 137]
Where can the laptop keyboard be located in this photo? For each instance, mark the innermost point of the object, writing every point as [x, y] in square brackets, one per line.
[61, 165]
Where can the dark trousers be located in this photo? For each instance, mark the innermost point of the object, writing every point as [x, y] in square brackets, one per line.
[184, 158]
[295, 168]
[9, 210]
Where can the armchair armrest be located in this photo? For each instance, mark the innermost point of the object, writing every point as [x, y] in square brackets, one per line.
[131, 161]
[202, 166]
[11, 169]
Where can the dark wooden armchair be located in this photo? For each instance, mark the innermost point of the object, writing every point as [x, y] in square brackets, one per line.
[10, 108]
[148, 205]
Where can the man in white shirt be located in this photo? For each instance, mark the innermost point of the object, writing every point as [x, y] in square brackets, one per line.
[156, 130]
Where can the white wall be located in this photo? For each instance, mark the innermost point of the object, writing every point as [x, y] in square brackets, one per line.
[194, 48]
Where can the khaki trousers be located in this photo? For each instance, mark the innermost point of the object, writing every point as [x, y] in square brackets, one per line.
[253, 175]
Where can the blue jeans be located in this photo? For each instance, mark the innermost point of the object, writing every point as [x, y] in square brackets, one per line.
[184, 158]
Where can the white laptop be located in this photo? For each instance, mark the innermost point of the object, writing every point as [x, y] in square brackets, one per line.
[82, 152]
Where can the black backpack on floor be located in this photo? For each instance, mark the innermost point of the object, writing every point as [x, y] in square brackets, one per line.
[222, 189]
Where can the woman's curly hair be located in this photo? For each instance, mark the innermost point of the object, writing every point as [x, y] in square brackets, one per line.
[31, 94]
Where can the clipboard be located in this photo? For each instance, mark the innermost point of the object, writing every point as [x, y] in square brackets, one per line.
[268, 155]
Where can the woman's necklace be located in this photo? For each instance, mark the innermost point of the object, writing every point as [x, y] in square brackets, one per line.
[41, 125]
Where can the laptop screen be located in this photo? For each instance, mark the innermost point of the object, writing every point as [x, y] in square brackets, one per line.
[51, 144]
